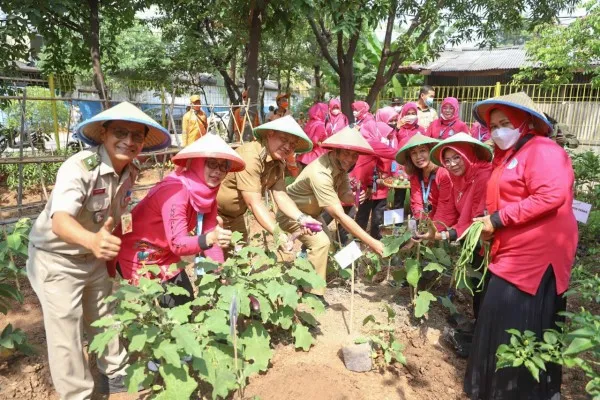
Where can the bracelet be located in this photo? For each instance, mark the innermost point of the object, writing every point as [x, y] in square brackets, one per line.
[444, 235]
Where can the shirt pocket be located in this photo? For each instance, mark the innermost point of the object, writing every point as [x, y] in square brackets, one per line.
[98, 203]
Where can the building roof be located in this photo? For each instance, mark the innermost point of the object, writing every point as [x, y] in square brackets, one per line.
[472, 60]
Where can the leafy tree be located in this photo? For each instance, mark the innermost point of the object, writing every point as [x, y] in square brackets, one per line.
[557, 52]
[38, 113]
[72, 30]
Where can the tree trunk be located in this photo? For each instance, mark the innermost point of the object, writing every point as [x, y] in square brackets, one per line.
[318, 91]
[233, 91]
[288, 81]
[94, 45]
[256, 11]
[233, 67]
[347, 90]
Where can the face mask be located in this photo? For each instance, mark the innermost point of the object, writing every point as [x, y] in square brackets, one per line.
[411, 118]
[505, 138]
[355, 113]
[398, 109]
[284, 104]
[429, 102]
[335, 111]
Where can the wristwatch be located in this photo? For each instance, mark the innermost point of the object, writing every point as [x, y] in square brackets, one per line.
[444, 235]
[301, 218]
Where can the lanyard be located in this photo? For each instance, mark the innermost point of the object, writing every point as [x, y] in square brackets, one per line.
[199, 222]
[426, 192]
[445, 129]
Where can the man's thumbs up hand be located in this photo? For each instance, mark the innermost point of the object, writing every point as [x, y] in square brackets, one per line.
[105, 246]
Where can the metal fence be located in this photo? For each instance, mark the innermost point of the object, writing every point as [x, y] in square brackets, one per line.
[576, 105]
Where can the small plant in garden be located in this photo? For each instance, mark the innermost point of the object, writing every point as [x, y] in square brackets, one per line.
[386, 348]
[575, 345]
[13, 248]
[193, 345]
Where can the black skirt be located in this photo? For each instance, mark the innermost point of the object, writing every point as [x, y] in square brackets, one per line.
[504, 307]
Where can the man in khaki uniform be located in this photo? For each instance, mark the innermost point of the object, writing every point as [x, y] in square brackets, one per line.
[425, 112]
[264, 160]
[324, 185]
[72, 239]
[194, 123]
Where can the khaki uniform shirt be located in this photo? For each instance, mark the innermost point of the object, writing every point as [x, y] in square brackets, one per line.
[427, 116]
[319, 185]
[262, 172]
[193, 126]
[88, 188]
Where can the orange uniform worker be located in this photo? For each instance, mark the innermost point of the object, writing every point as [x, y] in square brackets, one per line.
[194, 123]
[241, 127]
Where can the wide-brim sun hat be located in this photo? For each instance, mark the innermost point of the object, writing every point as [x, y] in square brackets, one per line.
[210, 146]
[288, 125]
[482, 151]
[89, 131]
[348, 139]
[415, 141]
[519, 101]
[281, 96]
[194, 98]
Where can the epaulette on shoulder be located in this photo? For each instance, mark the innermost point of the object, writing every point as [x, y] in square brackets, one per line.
[90, 162]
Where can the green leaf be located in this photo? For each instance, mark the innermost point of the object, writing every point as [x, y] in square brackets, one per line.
[216, 368]
[215, 321]
[136, 374]
[517, 362]
[515, 332]
[180, 313]
[368, 318]
[102, 339]
[442, 257]
[256, 342]
[535, 371]
[550, 337]
[313, 302]
[578, 345]
[13, 241]
[137, 341]
[177, 290]
[434, 267]
[422, 303]
[308, 318]
[413, 272]
[186, 339]
[446, 302]
[302, 336]
[361, 340]
[283, 317]
[399, 275]
[179, 384]
[168, 351]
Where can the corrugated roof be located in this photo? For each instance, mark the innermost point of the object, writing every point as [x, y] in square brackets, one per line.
[478, 60]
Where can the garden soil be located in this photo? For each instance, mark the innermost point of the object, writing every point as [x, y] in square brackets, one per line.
[432, 371]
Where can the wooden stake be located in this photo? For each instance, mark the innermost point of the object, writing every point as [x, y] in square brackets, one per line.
[352, 300]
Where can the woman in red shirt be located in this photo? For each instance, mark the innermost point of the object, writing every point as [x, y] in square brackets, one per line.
[316, 132]
[529, 201]
[408, 123]
[449, 123]
[430, 185]
[360, 110]
[336, 120]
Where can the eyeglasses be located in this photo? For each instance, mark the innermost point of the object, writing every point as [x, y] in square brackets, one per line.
[452, 161]
[224, 166]
[136, 136]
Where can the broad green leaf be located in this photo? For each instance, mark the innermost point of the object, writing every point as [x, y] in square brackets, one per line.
[535, 371]
[270, 273]
[313, 302]
[102, 339]
[208, 278]
[446, 302]
[136, 374]
[308, 318]
[391, 314]
[215, 321]
[13, 241]
[289, 295]
[180, 313]
[302, 336]
[434, 267]
[550, 337]
[266, 309]
[186, 339]
[283, 317]
[104, 322]
[517, 362]
[361, 340]
[178, 383]
[150, 286]
[422, 303]
[368, 318]
[256, 343]
[399, 275]
[137, 341]
[413, 272]
[441, 256]
[216, 368]
[307, 279]
[168, 351]
[515, 332]
[578, 345]
[177, 290]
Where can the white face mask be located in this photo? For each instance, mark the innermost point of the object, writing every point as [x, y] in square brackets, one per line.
[335, 111]
[355, 113]
[398, 109]
[410, 118]
[505, 138]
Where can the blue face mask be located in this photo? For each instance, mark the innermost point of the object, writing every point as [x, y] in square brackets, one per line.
[429, 101]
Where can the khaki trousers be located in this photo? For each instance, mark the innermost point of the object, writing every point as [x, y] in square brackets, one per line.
[236, 224]
[71, 290]
[317, 246]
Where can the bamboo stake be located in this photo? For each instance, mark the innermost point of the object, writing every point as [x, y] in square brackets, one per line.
[352, 300]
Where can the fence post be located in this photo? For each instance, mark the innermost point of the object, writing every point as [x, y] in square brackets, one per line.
[497, 91]
[54, 111]
[163, 107]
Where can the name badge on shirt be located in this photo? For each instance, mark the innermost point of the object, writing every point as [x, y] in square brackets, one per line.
[126, 223]
[513, 163]
[98, 191]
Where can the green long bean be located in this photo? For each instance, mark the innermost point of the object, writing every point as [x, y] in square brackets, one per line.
[471, 238]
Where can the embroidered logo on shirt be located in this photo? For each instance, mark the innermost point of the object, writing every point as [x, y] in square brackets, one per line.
[513, 163]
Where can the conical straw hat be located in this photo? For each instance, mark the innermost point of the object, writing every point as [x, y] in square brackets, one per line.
[89, 131]
[482, 151]
[519, 101]
[417, 140]
[348, 139]
[289, 125]
[210, 146]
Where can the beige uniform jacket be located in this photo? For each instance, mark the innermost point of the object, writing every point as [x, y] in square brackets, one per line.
[193, 126]
[88, 188]
[319, 185]
[427, 116]
[262, 172]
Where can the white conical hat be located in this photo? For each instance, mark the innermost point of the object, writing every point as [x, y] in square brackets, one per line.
[210, 146]
[348, 139]
[289, 125]
[89, 131]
